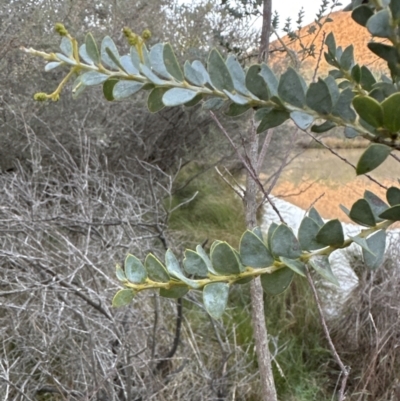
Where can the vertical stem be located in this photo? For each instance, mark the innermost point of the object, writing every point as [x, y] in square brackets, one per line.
[257, 301]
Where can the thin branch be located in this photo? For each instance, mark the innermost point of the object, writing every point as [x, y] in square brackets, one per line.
[344, 370]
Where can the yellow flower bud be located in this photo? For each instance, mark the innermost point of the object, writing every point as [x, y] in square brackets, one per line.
[40, 97]
[146, 34]
[60, 29]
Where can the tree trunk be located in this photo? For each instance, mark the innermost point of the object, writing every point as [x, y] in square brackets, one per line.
[257, 301]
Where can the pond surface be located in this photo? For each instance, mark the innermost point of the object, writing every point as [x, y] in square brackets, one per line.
[318, 177]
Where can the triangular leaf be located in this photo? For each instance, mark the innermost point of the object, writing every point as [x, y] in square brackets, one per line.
[393, 196]
[308, 231]
[284, 243]
[319, 97]
[273, 119]
[322, 266]
[378, 206]
[253, 252]
[313, 214]
[376, 243]
[255, 83]
[277, 282]
[361, 213]
[331, 234]
[295, 265]
[393, 213]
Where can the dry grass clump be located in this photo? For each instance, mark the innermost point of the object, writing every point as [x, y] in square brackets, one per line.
[367, 335]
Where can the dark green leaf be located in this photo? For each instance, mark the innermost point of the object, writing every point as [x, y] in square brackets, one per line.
[178, 96]
[313, 214]
[123, 298]
[369, 110]
[326, 126]
[301, 119]
[193, 263]
[385, 52]
[108, 88]
[378, 206]
[292, 88]
[92, 49]
[367, 79]
[393, 213]
[356, 73]
[215, 297]
[108, 43]
[154, 101]
[393, 196]
[362, 14]
[277, 282]
[319, 97]
[308, 231]
[342, 107]
[391, 112]
[93, 78]
[361, 213]
[295, 265]
[331, 234]
[171, 63]
[237, 109]
[331, 43]
[255, 83]
[219, 73]
[347, 59]
[224, 259]
[197, 99]
[379, 24]
[273, 119]
[134, 270]
[253, 252]
[376, 243]
[155, 269]
[284, 243]
[270, 78]
[372, 157]
[174, 292]
[322, 266]
[124, 89]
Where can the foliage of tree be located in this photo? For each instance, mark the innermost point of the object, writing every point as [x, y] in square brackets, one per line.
[350, 97]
